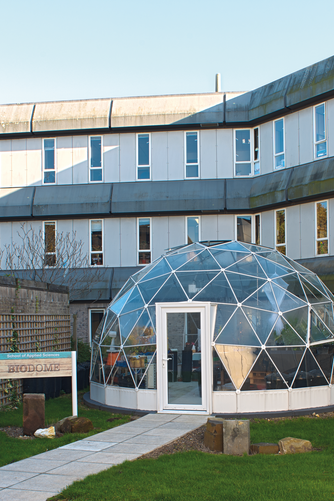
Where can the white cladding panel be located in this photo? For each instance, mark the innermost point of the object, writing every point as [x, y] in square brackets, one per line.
[208, 154]
[266, 148]
[330, 216]
[127, 144]
[176, 158]
[112, 242]
[209, 227]
[177, 229]
[64, 227]
[225, 161]
[111, 154]
[306, 135]
[81, 230]
[64, 159]
[80, 159]
[263, 401]
[5, 239]
[268, 228]
[330, 127]
[19, 162]
[307, 230]
[6, 163]
[159, 236]
[128, 246]
[226, 227]
[292, 229]
[291, 140]
[159, 149]
[34, 161]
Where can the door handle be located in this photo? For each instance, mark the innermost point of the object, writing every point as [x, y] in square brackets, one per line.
[166, 359]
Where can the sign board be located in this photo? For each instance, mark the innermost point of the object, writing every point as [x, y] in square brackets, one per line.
[41, 364]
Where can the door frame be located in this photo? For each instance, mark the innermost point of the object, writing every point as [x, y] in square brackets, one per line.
[207, 315]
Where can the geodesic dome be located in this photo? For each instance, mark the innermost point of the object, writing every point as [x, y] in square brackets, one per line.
[273, 325]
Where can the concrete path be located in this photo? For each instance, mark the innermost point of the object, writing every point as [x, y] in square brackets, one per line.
[43, 476]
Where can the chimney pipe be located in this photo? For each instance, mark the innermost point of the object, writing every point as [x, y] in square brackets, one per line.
[218, 82]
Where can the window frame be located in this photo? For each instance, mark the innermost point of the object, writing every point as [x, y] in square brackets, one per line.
[316, 229]
[139, 250]
[186, 164]
[90, 157]
[285, 232]
[276, 155]
[186, 228]
[90, 310]
[53, 253]
[253, 227]
[91, 252]
[44, 171]
[148, 166]
[252, 160]
[315, 142]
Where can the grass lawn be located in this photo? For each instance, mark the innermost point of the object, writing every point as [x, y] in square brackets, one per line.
[14, 449]
[198, 476]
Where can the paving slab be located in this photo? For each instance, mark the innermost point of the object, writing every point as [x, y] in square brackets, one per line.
[87, 445]
[44, 481]
[8, 478]
[112, 437]
[33, 465]
[17, 495]
[80, 470]
[154, 440]
[107, 458]
[62, 455]
[130, 448]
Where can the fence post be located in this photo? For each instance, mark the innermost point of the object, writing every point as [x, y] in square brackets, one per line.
[75, 337]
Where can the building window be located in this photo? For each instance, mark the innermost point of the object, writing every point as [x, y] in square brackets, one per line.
[279, 161]
[244, 228]
[322, 228]
[95, 159]
[144, 241]
[280, 231]
[49, 161]
[256, 148]
[50, 257]
[192, 229]
[320, 142]
[243, 163]
[96, 242]
[192, 154]
[258, 229]
[95, 317]
[143, 156]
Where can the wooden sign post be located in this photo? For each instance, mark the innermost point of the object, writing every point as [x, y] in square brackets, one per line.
[41, 364]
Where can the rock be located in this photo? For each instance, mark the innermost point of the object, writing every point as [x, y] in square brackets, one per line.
[264, 448]
[291, 445]
[45, 432]
[236, 437]
[33, 412]
[213, 436]
[63, 426]
[80, 424]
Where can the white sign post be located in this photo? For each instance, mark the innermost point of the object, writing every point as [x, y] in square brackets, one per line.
[41, 364]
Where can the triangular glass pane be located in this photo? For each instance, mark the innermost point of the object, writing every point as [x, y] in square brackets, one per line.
[217, 291]
[298, 319]
[284, 335]
[272, 269]
[98, 333]
[112, 367]
[285, 300]
[221, 379]
[117, 306]
[151, 311]
[134, 302]
[128, 285]
[149, 379]
[144, 271]
[277, 257]
[309, 373]
[313, 294]
[107, 322]
[177, 260]
[264, 375]
[226, 258]
[253, 248]
[142, 333]
[185, 248]
[261, 321]
[297, 266]
[97, 373]
[171, 292]
[150, 287]
[263, 298]
[95, 350]
[194, 282]
[248, 266]
[128, 376]
[160, 268]
[127, 322]
[319, 331]
[325, 312]
[203, 261]
[112, 335]
[238, 332]
[324, 354]
[287, 361]
[234, 246]
[316, 282]
[291, 283]
[237, 360]
[224, 312]
[242, 285]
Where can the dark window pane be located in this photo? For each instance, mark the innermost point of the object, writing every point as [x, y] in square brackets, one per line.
[244, 229]
[49, 159]
[50, 260]
[243, 169]
[96, 175]
[97, 259]
[50, 237]
[191, 146]
[143, 149]
[144, 234]
[280, 227]
[192, 171]
[143, 173]
[144, 257]
[95, 152]
[256, 144]
[320, 128]
[96, 236]
[279, 136]
[242, 145]
[49, 177]
[193, 229]
[322, 220]
[257, 229]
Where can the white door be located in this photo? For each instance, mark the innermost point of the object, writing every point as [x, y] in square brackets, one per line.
[183, 361]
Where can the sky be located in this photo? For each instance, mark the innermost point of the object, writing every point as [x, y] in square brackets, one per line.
[79, 49]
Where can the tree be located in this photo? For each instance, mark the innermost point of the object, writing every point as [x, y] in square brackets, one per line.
[51, 257]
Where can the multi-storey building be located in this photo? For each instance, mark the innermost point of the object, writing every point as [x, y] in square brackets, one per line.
[135, 176]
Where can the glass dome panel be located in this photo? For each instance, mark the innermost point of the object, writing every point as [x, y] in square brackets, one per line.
[203, 261]
[298, 320]
[193, 282]
[128, 285]
[291, 283]
[276, 257]
[161, 268]
[319, 331]
[150, 287]
[218, 290]
[325, 312]
[224, 313]
[264, 375]
[237, 361]
[127, 323]
[134, 301]
[272, 269]
[313, 295]
[226, 258]
[177, 260]
[233, 246]
[309, 373]
[285, 300]
[238, 332]
[263, 298]
[261, 321]
[314, 280]
[242, 285]
[149, 378]
[171, 292]
[143, 332]
[248, 266]
[324, 354]
[119, 303]
[284, 335]
[287, 360]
